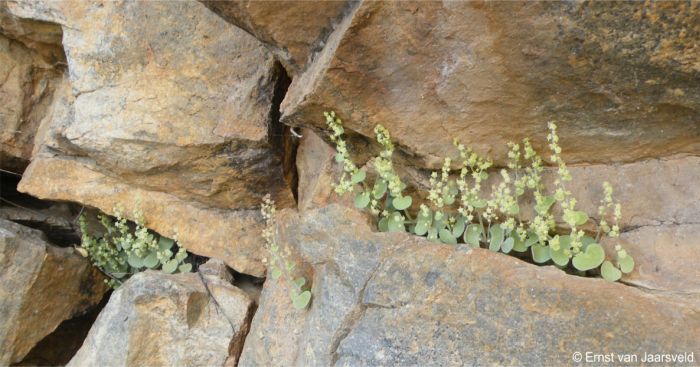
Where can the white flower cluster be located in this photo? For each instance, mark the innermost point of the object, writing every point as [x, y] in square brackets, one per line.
[342, 156]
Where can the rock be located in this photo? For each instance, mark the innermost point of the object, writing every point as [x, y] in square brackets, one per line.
[295, 46]
[184, 111]
[216, 269]
[175, 111]
[621, 80]
[395, 299]
[35, 31]
[41, 285]
[27, 84]
[318, 171]
[230, 235]
[665, 258]
[157, 319]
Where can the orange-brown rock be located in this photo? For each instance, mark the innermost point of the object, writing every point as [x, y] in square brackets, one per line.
[157, 319]
[621, 79]
[172, 118]
[41, 285]
[230, 235]
[27, 85]
[269, 21]
[396, 299]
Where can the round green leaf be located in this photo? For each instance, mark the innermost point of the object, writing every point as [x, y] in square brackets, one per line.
[446, 237]
[496, 233]
[610, 272]
[358, 176]
[433, 235]
[575, 218]
[421, 227]
[301, 300]
[626, 264]
[545, 203]
[383, 224]
[339, 158]
[473, 234]
[170, 266]
[165, 243]
[361, 200]
[518, 244]
[300, 282]
[401, 203]
[185, 268]
[395, 223]
[540, 254]
[589, 259]
[459, 226]
[507, 245]
[135, 261]
[379, 189]
[151, 261]
[560, 257]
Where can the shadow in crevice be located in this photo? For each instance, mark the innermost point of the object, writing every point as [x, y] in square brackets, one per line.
[280, 136]
[57, 348]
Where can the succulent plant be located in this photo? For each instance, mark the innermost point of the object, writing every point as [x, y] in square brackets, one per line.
[457, 211]
[123, 251]
[279, 261]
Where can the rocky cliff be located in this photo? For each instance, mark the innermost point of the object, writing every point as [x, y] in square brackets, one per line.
[190, 112]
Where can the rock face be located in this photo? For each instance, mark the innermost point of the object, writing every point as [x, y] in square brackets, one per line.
[182, 115]
[621, 87]
[27, 84]
[155, 319]
[392, 299]
[40, 286]
[295, 46]
[665, 258]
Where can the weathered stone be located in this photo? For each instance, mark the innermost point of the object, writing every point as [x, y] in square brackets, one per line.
[33, 31]
[40, 286]
[179, 116]
[27, 84]
[620, 79]
[269, 21]
[230, 235]
[666, 257]
[396, 299]
[156, 319]
[317, 171]
[184, 111]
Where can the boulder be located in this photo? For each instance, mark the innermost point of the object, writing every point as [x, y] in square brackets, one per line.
[396, 299]
[157, 319]
[621, 80]
[269, 21]
[41, 285]
[233, 236]
[27, 84]
[168, 101]
[39, 32]
[665, 258]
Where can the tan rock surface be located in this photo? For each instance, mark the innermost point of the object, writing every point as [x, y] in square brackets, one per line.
[40, 286]
[394, 299]
[665, 258]
[230, 235]
[269, 21]
[157, 319]
[620, 79]
[27, 84]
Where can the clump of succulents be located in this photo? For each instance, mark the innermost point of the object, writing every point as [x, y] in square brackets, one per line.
[124, 250]
[457, 211]
[280, 265]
